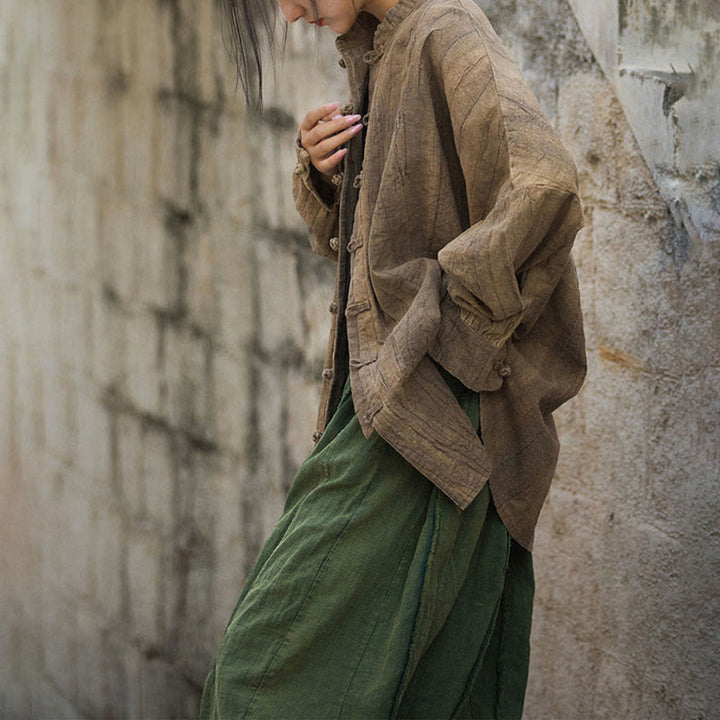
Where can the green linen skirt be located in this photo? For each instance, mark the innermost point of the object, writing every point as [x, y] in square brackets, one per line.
[375, 597]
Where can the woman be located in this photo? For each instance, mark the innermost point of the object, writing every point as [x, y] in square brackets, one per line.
[398, 581]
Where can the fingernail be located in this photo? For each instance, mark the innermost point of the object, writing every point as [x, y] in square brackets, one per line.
[332, 106]
[336, 117]
[350, 119]
[355, 128]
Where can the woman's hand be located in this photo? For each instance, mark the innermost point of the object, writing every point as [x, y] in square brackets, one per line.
[323, 131]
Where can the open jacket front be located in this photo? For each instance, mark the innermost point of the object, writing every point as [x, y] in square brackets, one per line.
[457, 247]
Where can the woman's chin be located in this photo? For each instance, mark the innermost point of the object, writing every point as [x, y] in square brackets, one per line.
[339, 27]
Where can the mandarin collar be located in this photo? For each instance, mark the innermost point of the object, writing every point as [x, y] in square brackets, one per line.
[368, 37]
[394, 17]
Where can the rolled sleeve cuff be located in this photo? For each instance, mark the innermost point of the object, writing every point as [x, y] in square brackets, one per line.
[317, 188]
[316, 204]
[468, 354]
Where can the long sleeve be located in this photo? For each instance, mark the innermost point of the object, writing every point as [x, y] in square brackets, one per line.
[466, 213]
[316, 201]
[523, 211]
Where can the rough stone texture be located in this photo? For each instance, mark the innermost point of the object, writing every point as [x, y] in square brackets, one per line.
[663, 59]
[627, 555]
[164, 328]
[163, 331]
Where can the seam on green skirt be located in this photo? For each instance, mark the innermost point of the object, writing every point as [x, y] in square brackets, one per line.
[370, 634]
[486, 641]
[429, 554]
[314, 582]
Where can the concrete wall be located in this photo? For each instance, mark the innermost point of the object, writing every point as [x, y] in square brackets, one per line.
[163, 331]
[627, 555]
[663, 60]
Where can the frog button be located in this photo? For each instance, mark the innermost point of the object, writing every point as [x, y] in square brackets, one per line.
[334, 244]
[356, 242]
[328, 374]
[371, 56]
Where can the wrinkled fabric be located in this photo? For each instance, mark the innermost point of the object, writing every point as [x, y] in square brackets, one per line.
[459, 254]
[374, 597]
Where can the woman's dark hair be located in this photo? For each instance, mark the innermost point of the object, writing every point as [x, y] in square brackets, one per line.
[248, 29]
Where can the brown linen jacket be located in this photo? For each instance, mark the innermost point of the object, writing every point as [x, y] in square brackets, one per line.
[459, 253]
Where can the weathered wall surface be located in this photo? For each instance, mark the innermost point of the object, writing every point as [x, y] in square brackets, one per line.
[663, 59]
[163, 331]
[627, 555]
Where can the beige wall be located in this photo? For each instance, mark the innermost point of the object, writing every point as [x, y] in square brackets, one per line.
[663, 59]
[163, 331]
[164, 328]
[627, 552]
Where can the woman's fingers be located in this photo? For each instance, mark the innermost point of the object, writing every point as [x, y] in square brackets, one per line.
[327, 165]
[332, 142]
[325, 156]
[314, 116]
[322, 132]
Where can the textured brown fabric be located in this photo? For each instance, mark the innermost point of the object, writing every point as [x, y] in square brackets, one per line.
[460, 253]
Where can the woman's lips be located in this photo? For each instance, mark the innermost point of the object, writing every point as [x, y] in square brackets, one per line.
[319, 22]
